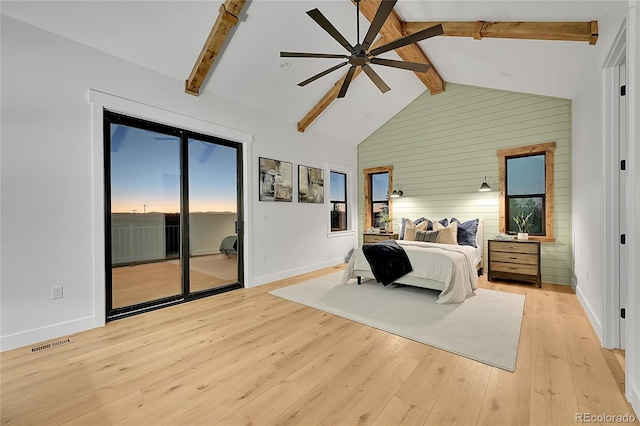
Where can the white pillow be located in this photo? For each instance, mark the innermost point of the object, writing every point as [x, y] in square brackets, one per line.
[448, 235]
[410, 229]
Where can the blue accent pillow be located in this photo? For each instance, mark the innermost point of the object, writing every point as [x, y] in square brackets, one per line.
[467, 232]
[403, 224]
[444, 222]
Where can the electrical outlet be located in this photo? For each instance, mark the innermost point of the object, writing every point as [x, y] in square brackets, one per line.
[264, 258]
[56, 292]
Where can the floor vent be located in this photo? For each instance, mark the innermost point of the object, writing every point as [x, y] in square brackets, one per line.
[51, 345]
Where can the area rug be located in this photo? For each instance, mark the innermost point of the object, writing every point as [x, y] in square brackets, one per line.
[485, 327]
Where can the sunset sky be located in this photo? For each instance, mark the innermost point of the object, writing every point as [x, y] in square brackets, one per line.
[145, 173]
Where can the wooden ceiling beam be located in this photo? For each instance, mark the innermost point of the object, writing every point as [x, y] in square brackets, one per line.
[567, 31]
[227, 19]
[393, 29]
[326, 100]
[331, 95]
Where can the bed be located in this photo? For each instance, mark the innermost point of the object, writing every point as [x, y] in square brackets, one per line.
[452, 269]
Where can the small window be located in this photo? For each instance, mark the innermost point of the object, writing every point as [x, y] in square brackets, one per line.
[526, 189]
[377, 184]
[379, 196]
[526, 193]
[338, 195]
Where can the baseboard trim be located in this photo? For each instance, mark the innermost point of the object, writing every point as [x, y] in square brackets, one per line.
[265, 279]
[38, 335]
[595, 322]
[633, 395]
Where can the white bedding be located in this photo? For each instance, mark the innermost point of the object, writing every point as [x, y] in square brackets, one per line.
[447, 267]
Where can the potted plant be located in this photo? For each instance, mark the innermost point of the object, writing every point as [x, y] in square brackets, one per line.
[383, 219]
[523, 224]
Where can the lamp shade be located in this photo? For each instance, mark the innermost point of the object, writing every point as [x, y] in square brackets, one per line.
[397, 192]
[485, 186]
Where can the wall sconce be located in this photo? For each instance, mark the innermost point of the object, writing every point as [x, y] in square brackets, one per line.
[485, 186]
[397, 192]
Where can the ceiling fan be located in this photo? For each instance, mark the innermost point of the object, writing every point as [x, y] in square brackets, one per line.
[360, 55]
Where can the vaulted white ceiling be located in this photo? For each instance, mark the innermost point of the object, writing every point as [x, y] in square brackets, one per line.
[167, 36]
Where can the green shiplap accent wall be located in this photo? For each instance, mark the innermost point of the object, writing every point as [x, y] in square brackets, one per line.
[442, 146]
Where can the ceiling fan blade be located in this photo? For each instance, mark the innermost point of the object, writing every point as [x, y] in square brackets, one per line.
[320, 19]
[347, 82]
[311, 55]
[412, 66]
[375, 78]
[413, 38]
[384, 10]
[322, 74]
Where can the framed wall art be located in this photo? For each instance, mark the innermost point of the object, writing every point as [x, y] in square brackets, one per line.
[310, 185]
[276, 180]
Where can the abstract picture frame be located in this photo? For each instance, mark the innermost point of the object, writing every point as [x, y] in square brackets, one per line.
[275, 180]
[310, 185]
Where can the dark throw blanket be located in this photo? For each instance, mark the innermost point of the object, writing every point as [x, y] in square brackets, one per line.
[388, 261]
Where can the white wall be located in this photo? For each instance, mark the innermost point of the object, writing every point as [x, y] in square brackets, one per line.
[48, 179]
[588, 194]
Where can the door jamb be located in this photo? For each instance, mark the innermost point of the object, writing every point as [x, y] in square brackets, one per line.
[610, 155]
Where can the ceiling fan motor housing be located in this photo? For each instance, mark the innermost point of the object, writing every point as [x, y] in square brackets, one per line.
[359, 57]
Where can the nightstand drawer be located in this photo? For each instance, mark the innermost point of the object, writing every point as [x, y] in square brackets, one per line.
[514, 268]
[510, 247]
[375, 238]
[521, 258]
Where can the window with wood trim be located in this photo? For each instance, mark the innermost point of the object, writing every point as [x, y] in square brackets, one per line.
[526, 177]
[378, 182]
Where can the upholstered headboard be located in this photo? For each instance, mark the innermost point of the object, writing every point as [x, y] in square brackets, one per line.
[480, 242]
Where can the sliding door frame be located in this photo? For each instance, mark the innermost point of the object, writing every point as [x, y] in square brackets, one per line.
[184, 136]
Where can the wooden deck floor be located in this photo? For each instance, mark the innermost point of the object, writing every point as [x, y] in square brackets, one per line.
[249, 358]
[152, 281]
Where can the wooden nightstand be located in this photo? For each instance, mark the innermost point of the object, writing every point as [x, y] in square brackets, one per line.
[515, 260]
[374, 238]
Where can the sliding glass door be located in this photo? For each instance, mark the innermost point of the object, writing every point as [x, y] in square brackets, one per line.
[145, 215]
[213, 248]
[173, 215]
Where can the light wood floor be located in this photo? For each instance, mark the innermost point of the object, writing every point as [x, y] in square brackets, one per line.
[247, 357]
